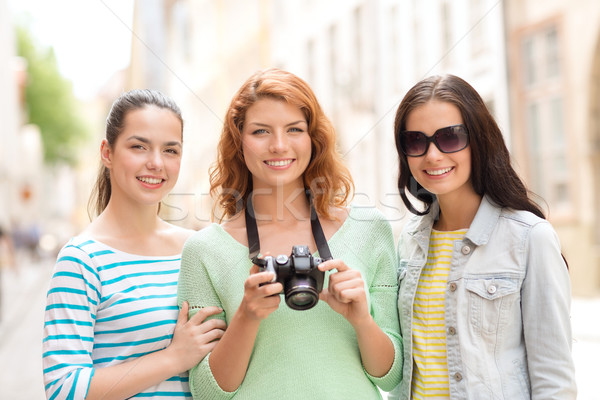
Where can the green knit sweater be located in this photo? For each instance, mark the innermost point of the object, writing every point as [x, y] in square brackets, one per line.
[311, 354]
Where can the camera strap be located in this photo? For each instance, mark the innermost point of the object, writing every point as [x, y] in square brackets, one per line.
[315, 224]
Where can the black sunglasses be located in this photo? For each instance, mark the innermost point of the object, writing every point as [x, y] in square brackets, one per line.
[448, 140]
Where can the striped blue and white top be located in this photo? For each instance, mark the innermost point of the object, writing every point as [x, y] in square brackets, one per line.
[105, 307]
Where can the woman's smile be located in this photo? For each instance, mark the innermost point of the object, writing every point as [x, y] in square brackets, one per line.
[279, 164]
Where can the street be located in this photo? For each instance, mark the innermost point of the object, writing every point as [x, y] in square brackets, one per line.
[21, 323]
[21, 320]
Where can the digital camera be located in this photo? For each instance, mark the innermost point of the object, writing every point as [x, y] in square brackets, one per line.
[301, 279]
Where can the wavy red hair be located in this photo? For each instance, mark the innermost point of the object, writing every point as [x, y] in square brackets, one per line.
[326, 176]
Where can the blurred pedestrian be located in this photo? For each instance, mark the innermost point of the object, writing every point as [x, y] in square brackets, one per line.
[484, 296]
[275, 145]
[112, 326]
[7, 251]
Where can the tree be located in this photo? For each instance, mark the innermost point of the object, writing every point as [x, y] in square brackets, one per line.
[50, 102]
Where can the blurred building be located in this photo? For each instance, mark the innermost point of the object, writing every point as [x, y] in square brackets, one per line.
[359, 56]
[537, 71]
[9, 115]
[554, 65]
[21, 150]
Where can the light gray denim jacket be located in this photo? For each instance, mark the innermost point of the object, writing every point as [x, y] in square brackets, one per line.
[508, 296]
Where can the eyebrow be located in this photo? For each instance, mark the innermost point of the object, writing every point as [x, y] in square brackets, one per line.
[144, 140]
[300, 121]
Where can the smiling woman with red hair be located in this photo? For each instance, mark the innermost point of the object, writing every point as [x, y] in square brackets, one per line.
[326, 175]
[278, 174]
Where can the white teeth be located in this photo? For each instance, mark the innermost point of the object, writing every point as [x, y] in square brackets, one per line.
[150, 181]
[279, 163]
[438, 171]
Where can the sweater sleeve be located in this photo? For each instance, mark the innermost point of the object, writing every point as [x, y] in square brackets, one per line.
[545, 297]
[196, 287]
[383, 292]
[72, 301]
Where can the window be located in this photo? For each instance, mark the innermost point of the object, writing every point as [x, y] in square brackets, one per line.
[529, 63]
[535, 144]
[545, 116]
[552, 54]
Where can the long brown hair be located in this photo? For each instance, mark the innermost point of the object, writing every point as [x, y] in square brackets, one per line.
[492, 173]
[326, 176]
[115, 122]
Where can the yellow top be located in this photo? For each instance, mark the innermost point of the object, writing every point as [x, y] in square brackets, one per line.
[430, 372]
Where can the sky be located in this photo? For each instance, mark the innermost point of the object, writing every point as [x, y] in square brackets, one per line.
[91, 38]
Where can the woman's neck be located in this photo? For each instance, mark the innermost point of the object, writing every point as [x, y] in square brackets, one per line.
[127, 220]
[280, 205]
[457, 211]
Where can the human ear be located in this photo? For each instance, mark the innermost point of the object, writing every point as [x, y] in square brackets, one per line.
[106, 153]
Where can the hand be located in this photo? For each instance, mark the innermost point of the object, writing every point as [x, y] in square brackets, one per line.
[346, 292]
[260, 301]
[193, 339]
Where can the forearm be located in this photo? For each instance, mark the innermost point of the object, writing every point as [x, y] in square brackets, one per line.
[376, 348]
[229, 359]
[127, 379]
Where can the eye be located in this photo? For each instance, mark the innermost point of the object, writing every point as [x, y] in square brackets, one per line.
[260, 131]
[172, 151]
[137, 146]
[296, 129]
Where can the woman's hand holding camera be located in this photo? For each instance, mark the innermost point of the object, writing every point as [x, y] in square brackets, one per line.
[260, 300]
[346, 292]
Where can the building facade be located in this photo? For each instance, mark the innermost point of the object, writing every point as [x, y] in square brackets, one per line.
[536, 64]
[9, 115]
[359, 56]
[554, 66]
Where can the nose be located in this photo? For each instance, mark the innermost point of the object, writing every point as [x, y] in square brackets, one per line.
[155, 161]
[278, 143]
[433, 153]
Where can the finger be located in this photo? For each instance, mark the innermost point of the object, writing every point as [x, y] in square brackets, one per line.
[215, 323]
[351, 295]
[339, 265]
[254, 269]
[346, 279]
[270, 303]
[208, 347]
[348, 283]
[214, 334]
[256, 279]
[205, 312]
[271, 289]
[182, 317]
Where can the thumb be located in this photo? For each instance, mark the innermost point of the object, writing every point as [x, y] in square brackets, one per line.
[182, 318]
[324, 295]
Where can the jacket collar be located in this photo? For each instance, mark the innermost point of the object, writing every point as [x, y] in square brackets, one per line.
[484, 222]
[479, 232]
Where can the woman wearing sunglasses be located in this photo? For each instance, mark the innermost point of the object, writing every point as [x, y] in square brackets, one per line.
[484, 292]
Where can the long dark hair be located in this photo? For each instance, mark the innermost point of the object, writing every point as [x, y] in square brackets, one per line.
[128, 101]
[491, 171]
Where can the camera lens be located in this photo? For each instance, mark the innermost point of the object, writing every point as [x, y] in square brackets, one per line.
[301, 293]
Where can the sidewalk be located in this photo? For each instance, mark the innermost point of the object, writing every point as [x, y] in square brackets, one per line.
[22, 303]
[585, 320]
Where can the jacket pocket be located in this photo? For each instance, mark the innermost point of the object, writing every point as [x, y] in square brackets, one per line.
[490, 301]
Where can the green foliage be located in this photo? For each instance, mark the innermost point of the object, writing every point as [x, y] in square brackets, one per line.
[50, 102]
